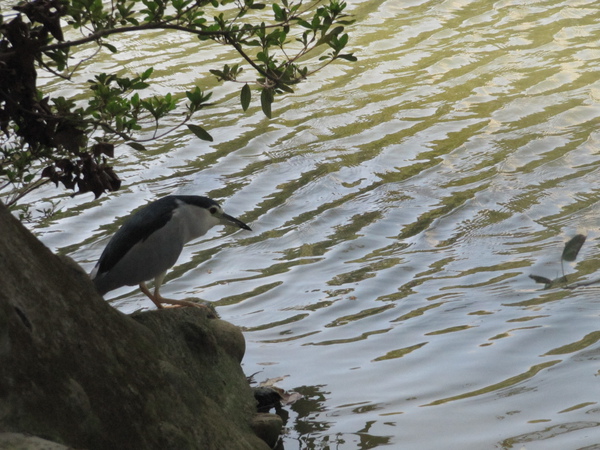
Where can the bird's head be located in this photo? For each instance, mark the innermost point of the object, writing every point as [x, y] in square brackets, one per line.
[196, 215]
[225, 219]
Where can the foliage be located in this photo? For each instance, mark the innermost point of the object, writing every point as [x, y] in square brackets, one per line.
[71, 142]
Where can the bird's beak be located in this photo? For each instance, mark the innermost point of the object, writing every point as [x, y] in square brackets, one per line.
[229, 220]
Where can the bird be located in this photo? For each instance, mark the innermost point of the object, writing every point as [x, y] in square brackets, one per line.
[151, 240]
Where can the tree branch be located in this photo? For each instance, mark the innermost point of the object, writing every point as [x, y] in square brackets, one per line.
[148, 26]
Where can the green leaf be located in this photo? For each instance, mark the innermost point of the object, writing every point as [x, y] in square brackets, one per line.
[245, 97]
[111, 47]
[343, 40]
[266, 99]
[285, 88]
[139, 85]
[572, 248]
[262, 57]
[137, 146]
[279, 14]
[135, 100]
[304, 23]
[541, 280]
[147, 73]
[218, 73]
[331, 38]
[200, 132]
[348, 57]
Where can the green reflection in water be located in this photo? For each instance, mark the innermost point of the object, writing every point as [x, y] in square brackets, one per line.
[449, 330]
[548, 433]
[589, 339]
[399, 353]
[417, 312]
[360, 315]
[344, 233]
[361, 337]
[234, 299]
[449, 204]
[533, 371]
[480, 313]
[269, 325]
[547, 297]
[576, 407]
[526, 319]
[509, 332]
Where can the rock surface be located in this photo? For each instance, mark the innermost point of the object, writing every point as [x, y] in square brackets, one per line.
[77, 372]
[19, 441]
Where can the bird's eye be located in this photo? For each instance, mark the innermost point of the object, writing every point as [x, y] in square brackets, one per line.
[213, 209]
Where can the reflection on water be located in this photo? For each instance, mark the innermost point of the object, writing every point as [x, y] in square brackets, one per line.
[399, 205]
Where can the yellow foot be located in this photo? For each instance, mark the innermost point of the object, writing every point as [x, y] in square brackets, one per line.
[178, 303]
[170, 303]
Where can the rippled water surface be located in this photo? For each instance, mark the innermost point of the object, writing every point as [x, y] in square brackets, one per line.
[398, 206]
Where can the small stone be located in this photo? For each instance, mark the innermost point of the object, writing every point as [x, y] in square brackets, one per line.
[230, 338]
[267, 427]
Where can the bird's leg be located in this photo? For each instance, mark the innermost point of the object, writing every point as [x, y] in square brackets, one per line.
[158, 299]
[151, 296]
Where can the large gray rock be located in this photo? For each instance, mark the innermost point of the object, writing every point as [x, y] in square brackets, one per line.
[77, 372]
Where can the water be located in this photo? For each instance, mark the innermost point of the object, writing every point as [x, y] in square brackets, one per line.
[398, 206]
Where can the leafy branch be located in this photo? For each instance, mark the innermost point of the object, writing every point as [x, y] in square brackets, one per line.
[71, 142]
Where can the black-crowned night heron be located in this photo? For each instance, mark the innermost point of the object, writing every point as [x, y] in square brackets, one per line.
[151, 240]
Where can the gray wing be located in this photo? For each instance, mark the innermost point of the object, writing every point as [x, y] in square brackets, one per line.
[147, 245]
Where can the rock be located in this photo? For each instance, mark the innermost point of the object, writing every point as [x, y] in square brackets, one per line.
[267, 398]
[77, 372]
[18, 441]
[267, 427]
[230, 338]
